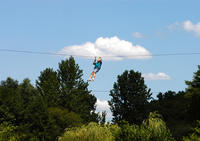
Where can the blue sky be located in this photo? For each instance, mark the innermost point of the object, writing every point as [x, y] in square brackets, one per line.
[165, 26]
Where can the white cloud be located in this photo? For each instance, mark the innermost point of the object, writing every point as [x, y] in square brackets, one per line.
[103, 106]
[158, 76]
[138, 35]
[109, 48]
[187, 26]
[190, 27]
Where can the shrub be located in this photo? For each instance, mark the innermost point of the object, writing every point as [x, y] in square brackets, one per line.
[152, 129]
[91, 132]
[155, 129]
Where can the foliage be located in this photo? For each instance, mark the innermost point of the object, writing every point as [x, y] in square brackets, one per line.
[60, 100]
[8, 132]
[102, 118]
[74, 92]
[49, 87]
[62, 118]
[193, 95]
[195, 136]
[157, 128]
[173, 107]
[91, 132]
[130, 98]
[152, 129]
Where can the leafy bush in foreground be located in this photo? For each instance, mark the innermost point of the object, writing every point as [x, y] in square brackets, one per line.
[152, 129]
[91, 132]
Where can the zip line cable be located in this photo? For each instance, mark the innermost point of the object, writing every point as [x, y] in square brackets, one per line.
[63, 54]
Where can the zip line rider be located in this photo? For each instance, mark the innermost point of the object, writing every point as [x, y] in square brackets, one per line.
[97, 66]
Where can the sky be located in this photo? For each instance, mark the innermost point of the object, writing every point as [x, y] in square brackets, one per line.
[134, 29]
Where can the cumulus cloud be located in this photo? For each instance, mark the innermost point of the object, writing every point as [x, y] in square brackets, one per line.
[109, 48]
[138, 35]
[190, 27]
[103, 106]
[158, 76]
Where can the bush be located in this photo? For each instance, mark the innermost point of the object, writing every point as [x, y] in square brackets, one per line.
[152, 129]
[91, 132]
[155, 129]
[128, 132]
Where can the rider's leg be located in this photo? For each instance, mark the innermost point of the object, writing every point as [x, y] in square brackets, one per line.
[94, 76]
[91, 75]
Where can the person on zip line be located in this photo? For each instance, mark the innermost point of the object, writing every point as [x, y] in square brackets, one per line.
[97, 66]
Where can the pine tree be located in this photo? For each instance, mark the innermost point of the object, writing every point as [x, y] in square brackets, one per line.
[74, 91]
[48, 86]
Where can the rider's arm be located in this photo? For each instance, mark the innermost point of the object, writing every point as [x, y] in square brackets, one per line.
[94, 63]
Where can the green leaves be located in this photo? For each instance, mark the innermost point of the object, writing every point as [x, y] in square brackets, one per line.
[60, 99]
[129, 97]
[48, 86]
[70, 74]
[74, 92]
[195, 136]
[8, 132]
[152, 129]
[91, 132]
[193, 95]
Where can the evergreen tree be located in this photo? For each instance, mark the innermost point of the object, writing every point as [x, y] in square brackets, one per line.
[48, 86]
[74, 91]
[130, 98]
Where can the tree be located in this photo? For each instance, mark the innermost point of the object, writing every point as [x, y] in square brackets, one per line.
[21, 105]
[48, 86]
[32, 118]
[59, 119]
[75, 95]
[60, 100]
[10, 102]
[130, 97]
[173, 107]
[193, 95]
